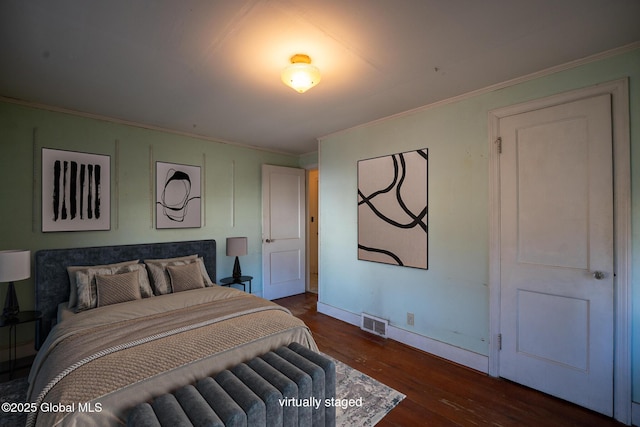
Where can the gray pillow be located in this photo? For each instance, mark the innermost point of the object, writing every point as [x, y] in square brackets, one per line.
[86, 283]
[158, 272]
[160, 276]
[117, 288]
[72, 270]
[185, 277]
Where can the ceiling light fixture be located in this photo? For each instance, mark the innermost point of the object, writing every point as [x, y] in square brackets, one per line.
[300, 74]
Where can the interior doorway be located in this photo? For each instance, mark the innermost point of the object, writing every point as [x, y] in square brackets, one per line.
[312, 227]
[556, 251]
[284, 234]
[617, 91]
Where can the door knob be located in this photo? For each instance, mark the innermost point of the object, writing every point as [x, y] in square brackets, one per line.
[270, 240]
[598, 275]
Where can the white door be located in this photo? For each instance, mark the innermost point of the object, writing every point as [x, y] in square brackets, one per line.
[283, 231]
[556, 247]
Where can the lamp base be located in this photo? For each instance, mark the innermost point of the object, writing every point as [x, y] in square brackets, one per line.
[11, 306]
[236, 269]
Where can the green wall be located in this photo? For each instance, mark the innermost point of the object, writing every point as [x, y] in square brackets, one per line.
[450, 299]
[232, 200]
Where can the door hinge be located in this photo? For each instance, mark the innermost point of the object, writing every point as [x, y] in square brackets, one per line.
[498, 143]
[499, 341]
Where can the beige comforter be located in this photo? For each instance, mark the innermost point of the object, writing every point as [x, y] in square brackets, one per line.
[98, 364]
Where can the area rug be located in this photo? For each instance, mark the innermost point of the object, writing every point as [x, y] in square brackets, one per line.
[360, 400]
[14, 391]
[354, 386]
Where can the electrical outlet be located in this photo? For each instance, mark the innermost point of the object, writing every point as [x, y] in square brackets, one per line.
[410, 319]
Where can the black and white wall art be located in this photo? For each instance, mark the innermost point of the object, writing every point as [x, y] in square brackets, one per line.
[178, 196]
[392, 209]
[76, 192]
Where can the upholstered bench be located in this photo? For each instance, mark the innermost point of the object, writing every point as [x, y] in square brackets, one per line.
[290, 386]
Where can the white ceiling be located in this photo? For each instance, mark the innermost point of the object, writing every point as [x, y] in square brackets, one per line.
[212, 67]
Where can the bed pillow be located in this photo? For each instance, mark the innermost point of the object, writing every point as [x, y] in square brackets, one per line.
[185, 277]
[160, 276]
[158, 272]
[86, 284]
[87, 297]
[71, 271]
[143, 278]
[167, 260]
[117, 288]
[203, 270]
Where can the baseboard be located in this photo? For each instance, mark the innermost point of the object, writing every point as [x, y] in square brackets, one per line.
[450, 352]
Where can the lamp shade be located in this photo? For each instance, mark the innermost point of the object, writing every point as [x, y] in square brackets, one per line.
[236, 246]
[15, 265]
[300, 75]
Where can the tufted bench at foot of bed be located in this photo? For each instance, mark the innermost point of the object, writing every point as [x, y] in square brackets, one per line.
[290, 386]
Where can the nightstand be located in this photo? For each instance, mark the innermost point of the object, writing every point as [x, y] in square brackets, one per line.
[22, 317]
[228, 281]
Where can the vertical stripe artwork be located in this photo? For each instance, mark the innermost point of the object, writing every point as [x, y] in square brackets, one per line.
[392, 209]
[75, 191]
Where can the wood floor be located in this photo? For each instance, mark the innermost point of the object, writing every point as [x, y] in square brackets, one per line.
[439, 393]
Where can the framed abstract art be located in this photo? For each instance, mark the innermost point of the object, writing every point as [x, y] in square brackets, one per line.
[76, 191]
[177, 196]
[392, 209]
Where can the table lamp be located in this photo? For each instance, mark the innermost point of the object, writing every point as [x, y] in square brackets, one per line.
[236, 246]
[14, 265]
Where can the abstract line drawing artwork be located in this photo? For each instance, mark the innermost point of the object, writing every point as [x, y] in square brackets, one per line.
[392, 209]
[76, 191]
[177, 196]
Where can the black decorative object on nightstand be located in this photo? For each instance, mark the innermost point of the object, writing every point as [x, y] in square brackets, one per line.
[228, 281]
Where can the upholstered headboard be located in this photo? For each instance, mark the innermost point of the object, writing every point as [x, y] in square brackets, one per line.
[52, 280]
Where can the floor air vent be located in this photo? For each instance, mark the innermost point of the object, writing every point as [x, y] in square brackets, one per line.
[374, 325]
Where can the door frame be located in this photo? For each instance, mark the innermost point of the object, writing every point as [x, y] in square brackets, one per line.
[619, 91]
[309, 169]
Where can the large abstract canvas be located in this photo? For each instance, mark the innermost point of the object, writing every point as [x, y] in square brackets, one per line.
[76, 192]
[177, 196]
[392, 209]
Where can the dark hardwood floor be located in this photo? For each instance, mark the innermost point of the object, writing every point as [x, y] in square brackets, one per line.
[439, 393]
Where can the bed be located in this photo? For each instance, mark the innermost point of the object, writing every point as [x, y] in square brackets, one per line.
[109, 353]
